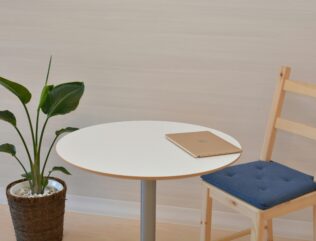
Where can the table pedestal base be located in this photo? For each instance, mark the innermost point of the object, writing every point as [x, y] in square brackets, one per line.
[148, 210]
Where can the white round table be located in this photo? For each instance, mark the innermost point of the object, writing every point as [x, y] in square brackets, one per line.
[140, 150]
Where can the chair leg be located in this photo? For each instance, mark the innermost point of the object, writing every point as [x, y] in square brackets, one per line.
[253, 234]
[270, 230]
[206, 221]
[258, 230]
[314, 222]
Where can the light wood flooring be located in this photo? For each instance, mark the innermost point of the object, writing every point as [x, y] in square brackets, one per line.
[84, 227]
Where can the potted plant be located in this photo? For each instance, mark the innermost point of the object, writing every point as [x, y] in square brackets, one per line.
[37, 201]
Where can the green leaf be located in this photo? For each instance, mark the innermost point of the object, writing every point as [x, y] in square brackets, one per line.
[60, 169]
[63, 99]
[8, 117]
[46, 89]
[8, 148]
[28, 175]
[65, 130]
[19, 90]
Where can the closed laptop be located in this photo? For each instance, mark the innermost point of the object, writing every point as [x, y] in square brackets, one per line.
[202, 144]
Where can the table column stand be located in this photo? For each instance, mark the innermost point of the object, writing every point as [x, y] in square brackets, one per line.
[148, 210]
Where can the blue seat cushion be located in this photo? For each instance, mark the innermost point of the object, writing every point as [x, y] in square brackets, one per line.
[262, 184]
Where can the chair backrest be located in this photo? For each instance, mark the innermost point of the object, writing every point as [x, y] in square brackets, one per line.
[277, 122]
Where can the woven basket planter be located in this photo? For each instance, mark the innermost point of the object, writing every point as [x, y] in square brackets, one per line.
[39, 218]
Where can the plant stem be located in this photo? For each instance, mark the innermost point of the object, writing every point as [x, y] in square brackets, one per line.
[27, 150]
[36, 167]
[49, 173]
[41, 138]
[31, 127]
[23, 169]
[29, 156]
[21, 164]
[36, 128]
[37, 187]
[48, 153]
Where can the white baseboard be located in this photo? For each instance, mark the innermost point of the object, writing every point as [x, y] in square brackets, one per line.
[288, 228]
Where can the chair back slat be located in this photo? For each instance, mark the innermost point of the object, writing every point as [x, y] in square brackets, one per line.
[296, 128]
[276, 122]
[299, 87]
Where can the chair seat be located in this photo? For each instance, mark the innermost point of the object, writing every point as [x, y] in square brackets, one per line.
[262, 184]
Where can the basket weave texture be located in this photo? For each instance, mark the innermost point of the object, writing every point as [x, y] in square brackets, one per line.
[39, 218]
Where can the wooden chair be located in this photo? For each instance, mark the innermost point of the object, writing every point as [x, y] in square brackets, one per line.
[219, 187]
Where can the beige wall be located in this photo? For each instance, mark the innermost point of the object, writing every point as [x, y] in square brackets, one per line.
[206, 62]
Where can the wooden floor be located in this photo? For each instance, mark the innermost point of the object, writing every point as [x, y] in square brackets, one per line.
[83, 227]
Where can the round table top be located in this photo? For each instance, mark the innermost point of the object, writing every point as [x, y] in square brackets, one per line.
[139, 150]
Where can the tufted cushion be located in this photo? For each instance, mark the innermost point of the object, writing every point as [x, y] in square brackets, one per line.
[262, 184]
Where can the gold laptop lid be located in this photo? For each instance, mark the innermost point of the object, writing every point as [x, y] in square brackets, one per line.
[202, 144]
